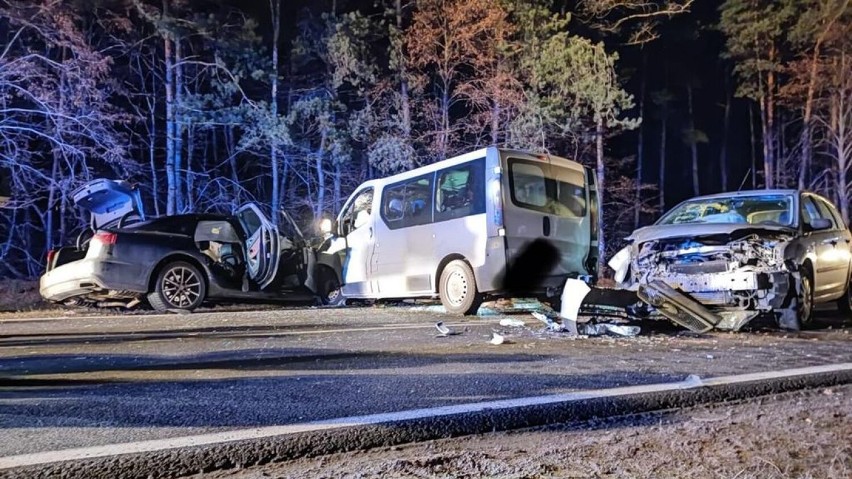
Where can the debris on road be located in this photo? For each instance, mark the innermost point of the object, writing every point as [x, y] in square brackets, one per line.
[512, 323]
[572, 296]
[551, 324]
[599, 329]
[444, 331]
[497, 339]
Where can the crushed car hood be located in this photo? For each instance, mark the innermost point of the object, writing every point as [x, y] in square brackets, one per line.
[693, 230]
[108, 201]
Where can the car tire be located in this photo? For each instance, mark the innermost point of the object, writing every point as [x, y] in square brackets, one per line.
[180, 287]
[457, 289]
[844, 304]
[330, 292]
[805, 300]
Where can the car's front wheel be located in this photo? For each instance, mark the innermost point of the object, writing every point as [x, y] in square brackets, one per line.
[805, 299]
[458, 289]
[180, 286]
[330, 292]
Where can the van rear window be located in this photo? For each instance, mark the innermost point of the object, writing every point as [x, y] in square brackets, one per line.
[547, 188]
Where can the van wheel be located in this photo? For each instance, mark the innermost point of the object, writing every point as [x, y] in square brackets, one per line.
[458, 289]
[179, 287]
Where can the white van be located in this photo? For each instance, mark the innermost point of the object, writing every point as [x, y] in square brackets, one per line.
[450, 229]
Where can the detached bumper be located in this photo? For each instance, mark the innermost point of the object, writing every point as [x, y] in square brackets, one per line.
[85, 277]
[736, 298]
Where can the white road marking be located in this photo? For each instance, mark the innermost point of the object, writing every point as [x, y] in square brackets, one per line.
[373, 419]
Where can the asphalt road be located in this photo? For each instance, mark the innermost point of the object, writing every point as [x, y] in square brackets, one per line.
[81, 380]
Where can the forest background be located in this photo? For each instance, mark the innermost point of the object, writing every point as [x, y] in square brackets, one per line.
[292, 103]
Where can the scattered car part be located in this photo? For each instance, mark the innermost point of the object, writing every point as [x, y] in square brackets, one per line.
[677, 307]
[444, 331]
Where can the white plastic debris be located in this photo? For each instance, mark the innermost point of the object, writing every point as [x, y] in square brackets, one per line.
[497, 339]
[620, 263]
[572, 296]
[512, 323]
[443, 330]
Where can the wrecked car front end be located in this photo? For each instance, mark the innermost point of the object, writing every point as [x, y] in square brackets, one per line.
[720, 281]
[720, 261]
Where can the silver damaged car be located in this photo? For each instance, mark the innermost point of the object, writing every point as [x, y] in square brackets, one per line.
[721, 260]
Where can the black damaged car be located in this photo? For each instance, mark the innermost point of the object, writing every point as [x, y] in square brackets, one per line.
[176, 263]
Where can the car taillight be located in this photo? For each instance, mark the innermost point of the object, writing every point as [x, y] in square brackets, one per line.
[50, 255]
[105, 237]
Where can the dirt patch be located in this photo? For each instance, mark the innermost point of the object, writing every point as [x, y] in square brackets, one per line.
[19, 295]
[802, 434]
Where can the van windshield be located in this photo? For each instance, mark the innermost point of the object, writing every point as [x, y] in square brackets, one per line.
[547, 188]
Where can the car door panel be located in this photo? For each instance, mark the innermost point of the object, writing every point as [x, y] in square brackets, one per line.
[262, 245]
[357, 228]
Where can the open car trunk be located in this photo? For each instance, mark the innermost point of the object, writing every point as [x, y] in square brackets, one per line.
[110, 204]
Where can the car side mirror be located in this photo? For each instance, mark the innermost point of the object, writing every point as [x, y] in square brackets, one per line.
[820, 224]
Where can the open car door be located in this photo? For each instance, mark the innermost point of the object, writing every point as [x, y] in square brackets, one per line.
[262, 248]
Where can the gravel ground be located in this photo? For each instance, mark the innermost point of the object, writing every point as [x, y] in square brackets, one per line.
[796, 435]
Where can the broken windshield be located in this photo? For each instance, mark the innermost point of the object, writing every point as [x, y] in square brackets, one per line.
[761, 209]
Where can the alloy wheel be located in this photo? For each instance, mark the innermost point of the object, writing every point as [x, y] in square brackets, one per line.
[181, 287]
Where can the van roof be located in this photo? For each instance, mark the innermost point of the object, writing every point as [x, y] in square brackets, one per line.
[464, 158]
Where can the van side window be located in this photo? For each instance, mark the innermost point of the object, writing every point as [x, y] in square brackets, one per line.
[408, 203]
[460, 191]
[358, 212]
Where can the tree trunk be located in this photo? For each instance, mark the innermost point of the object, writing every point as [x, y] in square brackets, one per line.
[753, 147]
[320, 206]
[275, 204]
[495, 122]
[51, 199]
[189, 202]
[152, 137]
[693, 141]
[338, 175]
[841, 127]
[664, 120]
[768, 172]
[640, 143]
[170, 119]
[771, 130]
[232, 161]
[445, 123]
[180, 182]
[726, 122]
[403, 80]
[601, 185]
